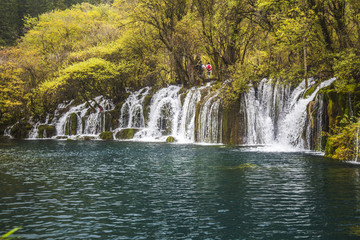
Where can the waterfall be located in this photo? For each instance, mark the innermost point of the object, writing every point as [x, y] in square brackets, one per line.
[85, 119]
[132, 110]
[270, 113]
[169, 112]
[210, 120]
[188, 114]
[169, 117]
[264, 108]
[277, 115]
[294, 122]
[7, 131]
[165, 108]
[356, 145]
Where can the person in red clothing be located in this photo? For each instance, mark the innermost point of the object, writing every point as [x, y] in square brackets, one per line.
[208, 69]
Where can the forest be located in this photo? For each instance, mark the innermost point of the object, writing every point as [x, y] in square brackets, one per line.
[52, 51]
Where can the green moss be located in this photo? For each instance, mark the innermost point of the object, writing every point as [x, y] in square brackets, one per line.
[182, 98]
[50, 131]
[61, 137]
[41, 130]
[108, 121]
[113, 118]
[242, 166]
[21, 130]
[170, 139]
[106, 135]
[47, 131]
[197, 119]
[233, 124]
[310, 91]
[146, 109]
[127, 133]
[71, 124]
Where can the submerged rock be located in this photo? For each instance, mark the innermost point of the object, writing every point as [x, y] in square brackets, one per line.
[242, 166]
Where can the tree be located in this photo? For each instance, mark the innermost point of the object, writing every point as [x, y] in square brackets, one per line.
[12, 95]
[173, 21]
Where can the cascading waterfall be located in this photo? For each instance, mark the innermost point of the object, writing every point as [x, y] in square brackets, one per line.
[188, 114]
[85, 119]
[264, 109]
[294, 122]
[270, 114]
[210, 120]
[7, 131]
[34, 133]
[164, 116]
[276, 115]
[357, 145]
[132, 110]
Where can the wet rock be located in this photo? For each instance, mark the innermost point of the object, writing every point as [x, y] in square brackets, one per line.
[106, 135]
[127, 133]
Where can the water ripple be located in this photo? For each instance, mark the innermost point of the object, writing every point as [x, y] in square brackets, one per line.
[119, 190]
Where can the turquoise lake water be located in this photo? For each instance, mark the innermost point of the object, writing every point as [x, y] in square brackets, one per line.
[130, 190]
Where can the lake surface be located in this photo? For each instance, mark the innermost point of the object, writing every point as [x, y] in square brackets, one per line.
[130, 190]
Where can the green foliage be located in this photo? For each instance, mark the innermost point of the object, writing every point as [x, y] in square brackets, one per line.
[347, 70]
[12, 93]
[14, 12]
[7, 236]
[343, 143]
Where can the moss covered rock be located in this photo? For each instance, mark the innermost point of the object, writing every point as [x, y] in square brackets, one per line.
[46, 131]
[170, 139]
[127, 133]
[84, 138]
[146, 109]
[21, 130]
[71, 124]
[106, 135]
[234, 123]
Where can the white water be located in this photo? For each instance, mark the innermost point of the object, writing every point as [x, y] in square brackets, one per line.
[163, 116]
[7, 131]
[277, 116]
[210, 123]
[168, 117]
[356, 159]
[132, 110]
[188, 114]
[90, 121]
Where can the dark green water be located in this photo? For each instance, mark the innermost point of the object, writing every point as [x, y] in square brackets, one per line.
[121, 190]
